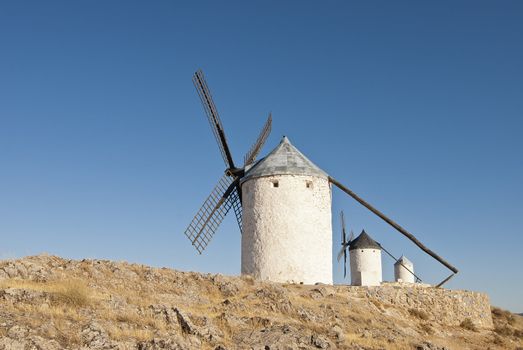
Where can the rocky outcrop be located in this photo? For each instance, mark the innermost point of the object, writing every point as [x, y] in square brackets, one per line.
[448, 307]
[51, 303]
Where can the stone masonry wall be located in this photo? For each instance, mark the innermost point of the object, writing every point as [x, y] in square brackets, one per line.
[440, 305]
[287, 230]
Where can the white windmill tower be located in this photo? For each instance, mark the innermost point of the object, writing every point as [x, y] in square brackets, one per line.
[365, 261]
[286, 204]
[404, 270]
[365, 257]
[287, 229]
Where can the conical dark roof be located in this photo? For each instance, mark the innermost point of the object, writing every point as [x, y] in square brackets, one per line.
[285, 159]
[364, 241]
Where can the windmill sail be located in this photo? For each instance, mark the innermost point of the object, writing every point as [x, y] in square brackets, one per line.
[344, 244]
[214, 118]
[250, 157]
[237, 207]
[340, 253]
[228, 193]
[211, 214]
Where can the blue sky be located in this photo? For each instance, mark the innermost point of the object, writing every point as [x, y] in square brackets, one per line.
[105, 151]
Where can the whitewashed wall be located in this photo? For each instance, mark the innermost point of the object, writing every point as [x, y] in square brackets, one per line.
[287, 230]
[365, 267]
[401, 274]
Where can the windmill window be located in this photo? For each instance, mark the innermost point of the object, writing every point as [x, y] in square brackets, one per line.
[308, 184]
[275, 183]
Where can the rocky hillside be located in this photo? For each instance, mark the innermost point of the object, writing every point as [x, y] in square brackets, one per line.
[50, 303]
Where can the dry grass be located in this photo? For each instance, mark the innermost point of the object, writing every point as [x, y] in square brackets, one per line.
[134, 295]
[497, 340]
[72, 292]
[427, 328]
[45, 312]
[507, 325]
[118, 333]
[422, 315]
[377, 303]
[127, 317]
[352, 340]
[503, 331]
[132, 318]
[58, 322]
[504, 315]
[468, 325]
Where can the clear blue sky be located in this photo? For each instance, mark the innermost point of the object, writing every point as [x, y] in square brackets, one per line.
[417, 106]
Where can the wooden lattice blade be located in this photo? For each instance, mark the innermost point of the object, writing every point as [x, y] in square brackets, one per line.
[250, 157]
[213, 117]
[237, 206]
[211, 214]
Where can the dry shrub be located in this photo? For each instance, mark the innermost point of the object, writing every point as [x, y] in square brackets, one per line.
[71, 292]
[422, 315]
[503, 330]
[497, 340]
[427, 328]
[128, 318]
[248, 279]
[518, 333]
[377, 303]
[503, 314]
[468, 324]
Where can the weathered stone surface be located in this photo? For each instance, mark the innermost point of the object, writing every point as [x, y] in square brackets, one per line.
[320, 342]
[449, 307]
[23, 269]
[95, 337]
[126, 306]
[171, 343]
[430, 346]
[304, 253]
[21, 338]
[185, 322]
[165, 312]
[17, 295]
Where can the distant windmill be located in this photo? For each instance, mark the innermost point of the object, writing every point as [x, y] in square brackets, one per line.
[344, 243]
[365, 259]
[283, 208]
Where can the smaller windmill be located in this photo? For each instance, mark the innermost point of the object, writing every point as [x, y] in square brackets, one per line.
[364, 240]
[344, 244]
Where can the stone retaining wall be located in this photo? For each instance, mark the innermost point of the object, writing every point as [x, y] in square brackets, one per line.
[439, 305]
